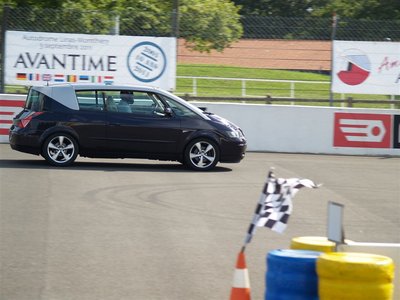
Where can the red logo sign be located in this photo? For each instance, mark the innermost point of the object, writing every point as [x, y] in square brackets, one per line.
[362, 130]
[355, 67]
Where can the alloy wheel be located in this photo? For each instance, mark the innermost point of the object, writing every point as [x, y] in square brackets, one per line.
[60, 150]
[202, 155]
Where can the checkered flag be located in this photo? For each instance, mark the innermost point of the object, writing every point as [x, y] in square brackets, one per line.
[275, 204]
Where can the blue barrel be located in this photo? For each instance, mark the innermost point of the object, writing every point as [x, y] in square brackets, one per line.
[291, 275]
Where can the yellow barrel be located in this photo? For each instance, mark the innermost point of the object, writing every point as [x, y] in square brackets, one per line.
[314, 243]
[355, 276]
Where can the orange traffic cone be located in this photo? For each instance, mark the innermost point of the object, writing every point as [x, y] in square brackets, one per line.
[241, 283]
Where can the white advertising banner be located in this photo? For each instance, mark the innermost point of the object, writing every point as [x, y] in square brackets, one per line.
[33, 58]
[366, 67]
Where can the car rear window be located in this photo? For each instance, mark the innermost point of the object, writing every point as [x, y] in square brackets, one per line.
[34, 101]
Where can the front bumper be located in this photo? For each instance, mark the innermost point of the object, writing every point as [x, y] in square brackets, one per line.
[233, 151]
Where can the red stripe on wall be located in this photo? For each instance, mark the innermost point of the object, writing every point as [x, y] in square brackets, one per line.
[7, 113]
[4, 131]
[6, 121]
[12, 103]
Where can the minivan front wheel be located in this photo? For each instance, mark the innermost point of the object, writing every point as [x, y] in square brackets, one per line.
[60, 149]
[201, 155]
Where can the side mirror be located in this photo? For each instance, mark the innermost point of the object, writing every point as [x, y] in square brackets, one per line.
[166, 113]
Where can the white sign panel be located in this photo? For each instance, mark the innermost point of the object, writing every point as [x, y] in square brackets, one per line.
[33, 58]
[335, 222]
[366, 67]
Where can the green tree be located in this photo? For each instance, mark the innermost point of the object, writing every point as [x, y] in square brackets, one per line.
[136, 17]
[279, 8]
[32, 3]
[361, 9]
[209, 25]
[205, 24]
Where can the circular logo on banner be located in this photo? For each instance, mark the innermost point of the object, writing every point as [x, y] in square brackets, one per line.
[146, 62]
[355, 67]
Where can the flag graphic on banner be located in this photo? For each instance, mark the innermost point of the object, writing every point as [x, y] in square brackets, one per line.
[59, 78]
[84, 78]
[46, 77]
[96, 79]
[275, 203]
[108, 79]
[21, 76]
[71, 78]
[34, 77]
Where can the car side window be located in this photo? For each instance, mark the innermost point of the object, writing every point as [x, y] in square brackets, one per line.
[90, 100]
[111, 98]
[136, 103]
[147, 105]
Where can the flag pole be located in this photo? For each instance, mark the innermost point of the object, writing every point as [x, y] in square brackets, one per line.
[333, 37]
[252, 227]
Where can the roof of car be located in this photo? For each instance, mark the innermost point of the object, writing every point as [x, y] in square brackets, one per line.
[65, 92]
[90, 86]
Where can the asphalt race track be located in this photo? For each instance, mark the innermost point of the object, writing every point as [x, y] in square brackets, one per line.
[148, 230]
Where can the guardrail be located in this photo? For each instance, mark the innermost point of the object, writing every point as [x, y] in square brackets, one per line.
[244, 82]
[267, 97]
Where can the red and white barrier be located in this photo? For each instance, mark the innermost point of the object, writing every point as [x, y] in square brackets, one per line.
[10, 105]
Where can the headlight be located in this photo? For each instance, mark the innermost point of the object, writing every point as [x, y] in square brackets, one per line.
[233, 133]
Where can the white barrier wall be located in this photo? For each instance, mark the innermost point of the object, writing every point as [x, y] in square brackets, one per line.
[305, 129]
[291, 129]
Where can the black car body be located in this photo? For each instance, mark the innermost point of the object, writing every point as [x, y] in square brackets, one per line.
[105, 121]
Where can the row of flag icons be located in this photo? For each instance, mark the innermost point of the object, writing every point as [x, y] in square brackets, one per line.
[64, 78]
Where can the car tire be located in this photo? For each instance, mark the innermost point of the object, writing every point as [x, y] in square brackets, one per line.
[60, 149]
[201, 154]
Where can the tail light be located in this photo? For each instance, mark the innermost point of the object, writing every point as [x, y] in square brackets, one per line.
[22, 123]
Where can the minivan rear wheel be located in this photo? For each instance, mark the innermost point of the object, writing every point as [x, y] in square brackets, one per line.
[201, 154]
[60, 149]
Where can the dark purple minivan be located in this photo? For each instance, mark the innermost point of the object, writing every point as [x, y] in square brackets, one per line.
[106, 121]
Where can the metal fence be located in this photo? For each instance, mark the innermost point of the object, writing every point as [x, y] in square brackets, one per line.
[164, 24]
[89, 22]
[311, 28]
[251, 87]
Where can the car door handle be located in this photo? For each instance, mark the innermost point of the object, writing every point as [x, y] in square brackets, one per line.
[115, 124]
